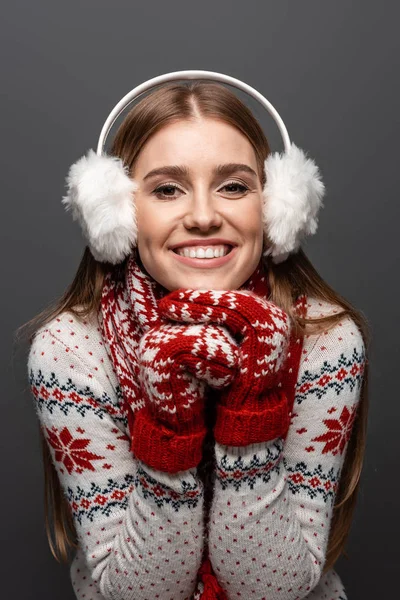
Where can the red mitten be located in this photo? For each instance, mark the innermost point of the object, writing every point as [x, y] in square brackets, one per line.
[254, 409]
[176, 362]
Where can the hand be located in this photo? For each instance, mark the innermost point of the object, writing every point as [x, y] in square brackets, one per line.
[254, 408]
[175, 364]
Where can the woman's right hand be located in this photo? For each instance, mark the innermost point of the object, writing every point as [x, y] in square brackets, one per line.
[177, 362]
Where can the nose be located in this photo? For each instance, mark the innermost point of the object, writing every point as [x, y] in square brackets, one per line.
[202, 212]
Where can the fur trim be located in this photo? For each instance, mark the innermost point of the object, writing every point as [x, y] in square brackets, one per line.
[292, 195]
[100, 196]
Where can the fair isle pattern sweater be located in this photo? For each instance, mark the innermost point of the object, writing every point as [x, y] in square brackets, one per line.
[141, 532]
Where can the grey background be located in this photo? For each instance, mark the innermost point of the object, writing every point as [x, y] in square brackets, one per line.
[331, 70]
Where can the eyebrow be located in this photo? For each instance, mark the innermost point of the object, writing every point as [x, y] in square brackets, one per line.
[181, 171]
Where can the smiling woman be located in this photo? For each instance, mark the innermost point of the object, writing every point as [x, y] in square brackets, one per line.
[202, 404]
[199, 206]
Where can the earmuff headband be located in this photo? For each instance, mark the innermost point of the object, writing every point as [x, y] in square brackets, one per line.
[185, 75]
[101, 193]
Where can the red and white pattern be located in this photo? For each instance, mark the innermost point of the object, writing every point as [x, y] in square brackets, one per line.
[141, 532]
[273, 501]
[130, 520]
[136, 294]
[254, 408]
[176, 362]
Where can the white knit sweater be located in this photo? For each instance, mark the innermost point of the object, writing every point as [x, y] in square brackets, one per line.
[141, 532]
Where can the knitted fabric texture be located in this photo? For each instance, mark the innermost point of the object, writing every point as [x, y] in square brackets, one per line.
[132, 327]
[131, 309]
[177, 362]
[254, 408]
[140, 531]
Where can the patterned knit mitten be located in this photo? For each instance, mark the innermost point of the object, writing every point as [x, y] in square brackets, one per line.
[176, 363]
[254, 409]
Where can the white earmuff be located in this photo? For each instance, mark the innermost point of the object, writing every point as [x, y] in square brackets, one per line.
[100, 193]
[292, 196]
[101, 198]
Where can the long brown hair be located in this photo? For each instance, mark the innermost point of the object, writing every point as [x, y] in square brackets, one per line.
[287, 280]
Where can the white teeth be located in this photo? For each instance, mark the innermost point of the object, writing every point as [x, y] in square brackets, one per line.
[206, 252]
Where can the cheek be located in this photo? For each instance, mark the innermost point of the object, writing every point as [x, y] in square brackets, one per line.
[248, 218]
[150, 223]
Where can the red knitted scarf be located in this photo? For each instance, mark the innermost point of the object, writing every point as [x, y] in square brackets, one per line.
[129, 308]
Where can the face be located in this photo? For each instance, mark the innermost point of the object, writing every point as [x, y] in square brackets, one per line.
[199, 206]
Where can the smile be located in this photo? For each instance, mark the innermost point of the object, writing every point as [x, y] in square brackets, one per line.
[205, 256]
[204, 251]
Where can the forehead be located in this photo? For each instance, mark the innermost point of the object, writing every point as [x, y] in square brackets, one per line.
[196, 143]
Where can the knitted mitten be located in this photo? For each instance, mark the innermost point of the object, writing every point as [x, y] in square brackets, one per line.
[254, 409]
[176, 362]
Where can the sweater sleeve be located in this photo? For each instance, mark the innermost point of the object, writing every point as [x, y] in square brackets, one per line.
[140, 530]
[273, 501]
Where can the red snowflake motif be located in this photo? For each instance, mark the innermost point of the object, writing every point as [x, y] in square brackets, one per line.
[354, 370]
[297, 478]
[341, 374]
[339, 431]
[324, 380]
[44, 393]
[100, 499]
[75, 397]
[144, 482]
[158, 491]
[118, 495]
[58, 395]
[72, 452]
[315, 482]
[303, 389]
[192, 494]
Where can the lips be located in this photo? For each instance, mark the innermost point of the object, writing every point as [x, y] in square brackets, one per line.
[206, 263]
[203, 242]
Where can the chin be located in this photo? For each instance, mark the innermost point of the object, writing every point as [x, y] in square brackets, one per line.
[205, 282]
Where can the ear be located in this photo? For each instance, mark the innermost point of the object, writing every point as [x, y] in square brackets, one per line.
[101, 197]
[292, 197]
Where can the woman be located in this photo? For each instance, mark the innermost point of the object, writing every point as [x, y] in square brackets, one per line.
[203, 410]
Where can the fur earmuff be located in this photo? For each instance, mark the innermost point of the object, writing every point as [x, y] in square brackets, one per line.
[292, 197]
[101, 198]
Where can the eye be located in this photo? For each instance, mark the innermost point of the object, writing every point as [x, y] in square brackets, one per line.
[166, 190]
[238, 188]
